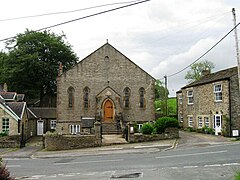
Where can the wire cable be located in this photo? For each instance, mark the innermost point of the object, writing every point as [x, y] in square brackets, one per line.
[205, 52]
[84, 17]
[65, 12]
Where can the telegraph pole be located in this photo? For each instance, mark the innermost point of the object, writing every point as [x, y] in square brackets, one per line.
[237, 48]
[166, 95]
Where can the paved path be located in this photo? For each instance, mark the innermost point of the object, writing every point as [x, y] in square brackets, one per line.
[193, 139]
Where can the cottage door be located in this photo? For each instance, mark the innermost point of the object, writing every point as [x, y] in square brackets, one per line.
[108, 111]
[39, 127]
[218, 124]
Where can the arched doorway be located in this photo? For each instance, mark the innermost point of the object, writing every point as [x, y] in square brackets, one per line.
[108, 110]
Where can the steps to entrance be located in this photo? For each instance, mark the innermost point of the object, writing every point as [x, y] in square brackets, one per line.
[113, 139]
[110, 128]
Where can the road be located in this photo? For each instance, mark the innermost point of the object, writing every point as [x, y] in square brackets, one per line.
[196, 162]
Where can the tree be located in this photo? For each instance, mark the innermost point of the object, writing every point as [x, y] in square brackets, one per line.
[33, 60]
[161, 96]
[196, 70]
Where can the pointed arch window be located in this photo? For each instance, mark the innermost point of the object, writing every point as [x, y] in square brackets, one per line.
[142, 98]
[86, 92]
[70, 97]
[126, 97]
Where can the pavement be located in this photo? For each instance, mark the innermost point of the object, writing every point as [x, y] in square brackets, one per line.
[115, 144]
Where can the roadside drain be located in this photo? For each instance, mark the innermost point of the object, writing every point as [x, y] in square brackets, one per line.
[131, 175]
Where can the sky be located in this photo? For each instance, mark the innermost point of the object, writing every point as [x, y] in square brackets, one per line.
[162, 37]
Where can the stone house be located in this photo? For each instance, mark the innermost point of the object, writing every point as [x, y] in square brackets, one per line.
[213, 102]
[13, 114]
[108, 87]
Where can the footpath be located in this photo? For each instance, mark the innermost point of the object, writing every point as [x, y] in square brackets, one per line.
[111, 145]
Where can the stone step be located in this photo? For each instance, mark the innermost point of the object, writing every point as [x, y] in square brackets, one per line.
[110, 128]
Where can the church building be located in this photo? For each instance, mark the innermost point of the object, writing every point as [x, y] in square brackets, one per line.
[108, 87]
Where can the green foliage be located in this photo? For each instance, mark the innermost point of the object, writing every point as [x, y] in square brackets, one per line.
[196, 70]
[4, 173]
[190, 129]
[160, 91]
[237, 175]
[32, 61]
[147, 128]
[172, 106]
[165, 122]
[135, 127]
[2, 134]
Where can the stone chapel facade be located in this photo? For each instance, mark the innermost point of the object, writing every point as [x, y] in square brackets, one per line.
[107, 87]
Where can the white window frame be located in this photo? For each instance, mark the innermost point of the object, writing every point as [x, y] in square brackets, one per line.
[74, 128]
[190, 96]
[190, 121]
[200, 122]
[140, 127]
[217, 92]
[180, 98]
[5, 125]
[206, 122]
[53, 124]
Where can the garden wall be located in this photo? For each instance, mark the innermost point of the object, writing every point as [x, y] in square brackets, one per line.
[170, 133]
[64, 142]
[10, 141]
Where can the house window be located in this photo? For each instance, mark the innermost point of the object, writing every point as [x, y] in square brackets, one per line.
[218, 92]
[206, 121]
[190, 96]
[190, 121]
[53, 124]
[70, 97]
[86, 92]
[74, 129]
[5, 124]
[139, 127]
[200, 122]
[126, 97]
[180, 99]
[142, 99]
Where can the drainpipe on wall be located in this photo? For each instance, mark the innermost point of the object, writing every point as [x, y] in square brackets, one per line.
[230, 108]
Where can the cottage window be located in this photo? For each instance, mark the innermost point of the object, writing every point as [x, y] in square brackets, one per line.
[180, 99]
[5, 125]
[86, 92]
[190, 121]
[74, 129]
[200, 122]
[206, 121]
[53, 124]
[126, 97]
[142, 99]
[70, 97]
[218, 92]
[190, 96]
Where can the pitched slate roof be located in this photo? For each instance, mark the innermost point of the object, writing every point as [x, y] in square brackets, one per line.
[43, 112]
[17, 108]
[8, 95]
[213, 77]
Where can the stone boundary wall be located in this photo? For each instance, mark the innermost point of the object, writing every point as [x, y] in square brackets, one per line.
[10, 142]
[65, 142]
[170, 133]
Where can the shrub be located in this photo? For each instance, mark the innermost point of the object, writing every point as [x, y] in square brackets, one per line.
[190, 129]
[2, 134]
[237, 175]
[135, 127]
[165, 122]
[4, 173]
[147, 128]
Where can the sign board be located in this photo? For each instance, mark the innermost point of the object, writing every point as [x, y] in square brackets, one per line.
[235, 132]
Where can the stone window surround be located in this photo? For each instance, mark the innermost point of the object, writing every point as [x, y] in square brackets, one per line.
[74, 128]
[86, 92]
[217, 90]
[142, 102]
[190, 96]
[127, 93]
[53, 124]
[200, 121]
[190, 121]
[5, 124]
[70, 97]
[206, 121]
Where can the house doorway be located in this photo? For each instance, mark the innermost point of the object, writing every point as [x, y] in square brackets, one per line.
[218, 124]
[40, 127]
[108, 110]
